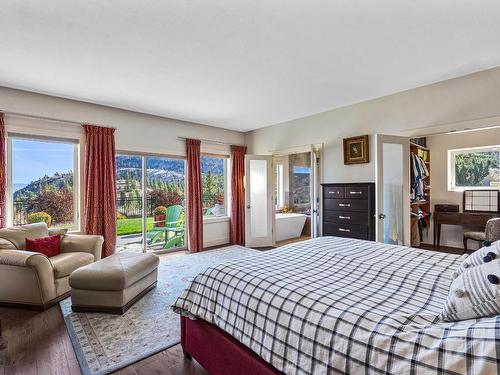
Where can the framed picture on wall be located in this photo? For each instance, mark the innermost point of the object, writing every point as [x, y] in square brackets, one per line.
[356, 150]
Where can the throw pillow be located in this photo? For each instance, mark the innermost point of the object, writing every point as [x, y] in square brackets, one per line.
[488, 253]
[474, 293]
[49, 246]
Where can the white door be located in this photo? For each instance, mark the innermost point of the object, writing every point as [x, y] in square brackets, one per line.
[259, 192]
[315, 181]
[393, 189]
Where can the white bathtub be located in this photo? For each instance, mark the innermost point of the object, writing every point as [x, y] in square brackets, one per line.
[289, 225]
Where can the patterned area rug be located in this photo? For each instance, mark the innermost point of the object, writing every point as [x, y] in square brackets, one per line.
[104, 343]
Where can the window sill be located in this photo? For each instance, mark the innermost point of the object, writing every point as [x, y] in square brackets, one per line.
[215, 219]
[462, 188]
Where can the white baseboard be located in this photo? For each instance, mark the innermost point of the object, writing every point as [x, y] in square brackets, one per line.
[216, 242]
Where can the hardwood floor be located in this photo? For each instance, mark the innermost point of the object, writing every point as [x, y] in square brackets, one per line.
[37, 343]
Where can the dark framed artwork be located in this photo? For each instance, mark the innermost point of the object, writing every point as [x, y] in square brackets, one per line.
[356, 150]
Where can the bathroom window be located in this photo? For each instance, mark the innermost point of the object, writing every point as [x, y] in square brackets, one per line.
[279, 197]
[474, 168]
[301, 185]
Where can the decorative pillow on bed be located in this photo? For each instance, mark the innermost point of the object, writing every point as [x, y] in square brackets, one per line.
[487, 253]
[474, 294]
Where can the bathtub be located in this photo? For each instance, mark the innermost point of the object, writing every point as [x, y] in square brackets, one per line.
[289, 226]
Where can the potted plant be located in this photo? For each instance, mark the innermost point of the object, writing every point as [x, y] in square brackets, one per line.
[160, 213]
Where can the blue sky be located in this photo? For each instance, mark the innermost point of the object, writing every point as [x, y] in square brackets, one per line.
[301, 170]
[33, 159]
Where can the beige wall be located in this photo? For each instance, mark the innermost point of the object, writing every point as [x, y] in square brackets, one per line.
[412, 112]
[134, 132]
[469, 101]
[439, 146]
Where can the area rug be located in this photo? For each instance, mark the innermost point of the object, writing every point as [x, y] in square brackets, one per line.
[105, 343]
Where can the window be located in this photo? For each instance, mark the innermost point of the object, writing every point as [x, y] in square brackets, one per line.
[44, 182]
[150, 203]
[474, 168]
[214, 182]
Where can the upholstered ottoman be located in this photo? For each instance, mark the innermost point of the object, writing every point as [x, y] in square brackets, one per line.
[114, 284]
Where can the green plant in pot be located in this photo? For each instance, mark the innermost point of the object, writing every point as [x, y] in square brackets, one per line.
[160, 213]
[40, 217]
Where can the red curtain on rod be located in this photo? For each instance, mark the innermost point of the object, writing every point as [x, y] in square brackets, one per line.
[3, 175]
[237, 229]
[194, 196]
[99, 182]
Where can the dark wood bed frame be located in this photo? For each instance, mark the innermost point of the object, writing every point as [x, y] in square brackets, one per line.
[218, 352]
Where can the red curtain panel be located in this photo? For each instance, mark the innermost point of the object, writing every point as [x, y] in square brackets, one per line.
[194, 196]
[99, 180]
[237, 230]
[3, 175]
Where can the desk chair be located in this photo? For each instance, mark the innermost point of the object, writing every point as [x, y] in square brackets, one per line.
[491, 233]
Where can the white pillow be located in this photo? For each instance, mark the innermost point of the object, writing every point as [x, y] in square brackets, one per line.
[479, 257]
[474, 294]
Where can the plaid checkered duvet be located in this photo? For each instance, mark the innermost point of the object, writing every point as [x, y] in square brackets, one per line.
[332, 305]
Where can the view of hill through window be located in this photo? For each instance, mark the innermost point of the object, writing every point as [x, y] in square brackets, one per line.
[161, 200]
[42, 174]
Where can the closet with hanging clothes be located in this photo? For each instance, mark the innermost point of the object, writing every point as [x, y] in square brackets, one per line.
[420, 194]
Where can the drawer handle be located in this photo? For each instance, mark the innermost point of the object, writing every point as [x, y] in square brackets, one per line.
[344, 230]
[345, 217]
[331, 192]
[355, 192]
[344, 205]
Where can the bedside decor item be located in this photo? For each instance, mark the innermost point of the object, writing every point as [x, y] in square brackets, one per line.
[356, 150]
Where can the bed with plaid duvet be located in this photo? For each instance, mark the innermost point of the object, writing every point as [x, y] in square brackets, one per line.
[334, 305]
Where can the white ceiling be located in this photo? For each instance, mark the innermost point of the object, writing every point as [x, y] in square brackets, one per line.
[241, 64]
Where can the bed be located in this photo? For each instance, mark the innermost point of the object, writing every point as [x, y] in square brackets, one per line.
[333, 305]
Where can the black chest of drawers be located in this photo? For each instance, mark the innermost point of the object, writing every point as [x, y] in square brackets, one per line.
[349, 210]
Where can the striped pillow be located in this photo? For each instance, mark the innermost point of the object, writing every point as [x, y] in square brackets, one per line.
[474, 294]
[483, 255]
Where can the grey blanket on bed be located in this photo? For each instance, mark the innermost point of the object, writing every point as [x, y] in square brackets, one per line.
[333, 305]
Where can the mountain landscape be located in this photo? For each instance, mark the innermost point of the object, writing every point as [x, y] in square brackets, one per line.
[34, 188]
[164, 170]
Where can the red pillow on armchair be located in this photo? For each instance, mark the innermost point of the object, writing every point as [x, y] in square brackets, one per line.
[49, 246]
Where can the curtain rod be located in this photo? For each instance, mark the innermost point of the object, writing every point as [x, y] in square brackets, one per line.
[43, 118]
[211, 141]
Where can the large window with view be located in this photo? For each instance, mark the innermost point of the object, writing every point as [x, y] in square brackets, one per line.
[44, 184]
[214, 182]
[150, 203]
[474, 168]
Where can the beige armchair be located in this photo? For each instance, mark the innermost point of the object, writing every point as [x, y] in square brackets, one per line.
[30, 279]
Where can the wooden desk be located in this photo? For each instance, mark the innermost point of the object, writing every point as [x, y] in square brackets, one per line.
[470, 219]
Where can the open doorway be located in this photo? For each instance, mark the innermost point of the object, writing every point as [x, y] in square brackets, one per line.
[296, 201]
[282, 197]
